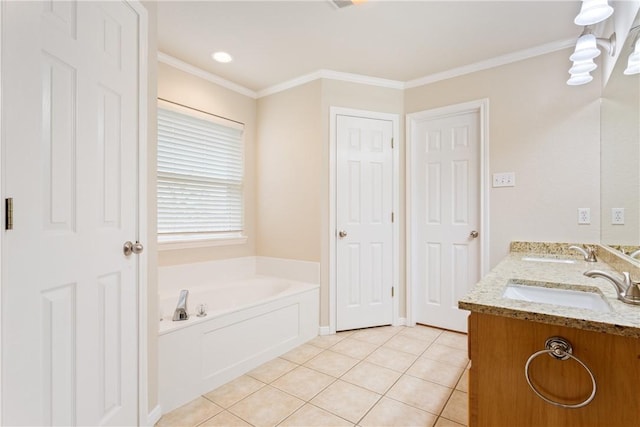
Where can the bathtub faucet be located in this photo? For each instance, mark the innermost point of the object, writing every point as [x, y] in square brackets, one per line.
[181, 309]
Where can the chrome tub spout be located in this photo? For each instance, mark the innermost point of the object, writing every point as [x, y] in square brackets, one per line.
[181, 310]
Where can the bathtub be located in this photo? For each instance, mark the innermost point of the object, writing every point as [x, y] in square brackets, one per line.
[248, 322]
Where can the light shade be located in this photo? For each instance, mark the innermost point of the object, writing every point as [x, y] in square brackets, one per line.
[580, 67]
[593, 11]
[579, 79]
[633, 65]
[586, 48]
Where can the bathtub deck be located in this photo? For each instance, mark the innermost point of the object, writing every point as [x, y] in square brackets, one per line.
[378, 376]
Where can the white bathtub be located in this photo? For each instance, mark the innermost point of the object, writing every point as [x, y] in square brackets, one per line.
[249, 322]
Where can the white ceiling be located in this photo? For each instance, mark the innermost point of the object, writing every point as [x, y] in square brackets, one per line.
[276, 41]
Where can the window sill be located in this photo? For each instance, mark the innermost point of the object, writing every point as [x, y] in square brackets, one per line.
[167, 243]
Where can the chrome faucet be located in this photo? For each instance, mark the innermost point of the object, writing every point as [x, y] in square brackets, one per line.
[628, 290]
[181, 309]
[635, 253]
[589, 252]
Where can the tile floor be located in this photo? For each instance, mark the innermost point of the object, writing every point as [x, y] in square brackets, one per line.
[387, 376]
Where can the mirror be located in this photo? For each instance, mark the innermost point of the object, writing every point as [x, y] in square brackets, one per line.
[620, 156]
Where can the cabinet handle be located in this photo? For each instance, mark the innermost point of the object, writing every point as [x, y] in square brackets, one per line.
[561, 349]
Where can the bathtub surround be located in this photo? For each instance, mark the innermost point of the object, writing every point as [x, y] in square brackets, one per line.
[251, 319]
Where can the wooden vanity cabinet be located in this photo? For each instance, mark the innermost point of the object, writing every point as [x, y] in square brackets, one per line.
[500, 396]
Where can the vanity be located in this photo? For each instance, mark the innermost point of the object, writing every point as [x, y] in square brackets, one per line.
[543, 358]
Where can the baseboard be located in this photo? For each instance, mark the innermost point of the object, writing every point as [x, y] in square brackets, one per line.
[324, 330]
[402, 321]
[154, 416]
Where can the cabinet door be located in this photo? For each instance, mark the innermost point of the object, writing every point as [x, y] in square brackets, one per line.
[500, 396]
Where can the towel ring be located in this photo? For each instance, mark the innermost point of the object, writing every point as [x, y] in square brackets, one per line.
[560, 349]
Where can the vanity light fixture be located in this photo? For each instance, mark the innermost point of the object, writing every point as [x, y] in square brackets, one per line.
[633, 63]
[593, 11]
[585, 52]
[579, 79]
[585, 66]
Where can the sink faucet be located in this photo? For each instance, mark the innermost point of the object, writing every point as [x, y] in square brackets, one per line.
[627, 289]
[181, 309]
[635, 253]
[589, 252]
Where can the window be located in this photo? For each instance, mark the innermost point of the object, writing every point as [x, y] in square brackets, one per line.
[200, 176]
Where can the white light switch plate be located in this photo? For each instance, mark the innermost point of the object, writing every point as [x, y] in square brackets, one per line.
[504, 179]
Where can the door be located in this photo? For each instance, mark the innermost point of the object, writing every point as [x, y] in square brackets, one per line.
[70, 155]
[445, 217]
[364, 239]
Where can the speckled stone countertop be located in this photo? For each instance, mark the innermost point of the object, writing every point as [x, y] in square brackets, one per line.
[486, 296]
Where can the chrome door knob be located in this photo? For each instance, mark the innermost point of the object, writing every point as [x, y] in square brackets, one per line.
[473, 234]
[342, 234]
[132, 248]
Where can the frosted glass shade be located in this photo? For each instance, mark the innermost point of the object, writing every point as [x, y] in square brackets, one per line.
[579, 79]
[633, 65]
[592, 12]
[580, 67]
[586, 48]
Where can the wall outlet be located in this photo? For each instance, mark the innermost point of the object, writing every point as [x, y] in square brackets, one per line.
[504, 179]
[617, 216]
[584, 216]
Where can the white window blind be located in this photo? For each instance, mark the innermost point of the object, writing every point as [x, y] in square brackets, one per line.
[200, 173]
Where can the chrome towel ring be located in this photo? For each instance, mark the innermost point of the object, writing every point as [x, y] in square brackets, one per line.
[561, 349]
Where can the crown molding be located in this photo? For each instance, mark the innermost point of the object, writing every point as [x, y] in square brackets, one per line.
[493, 62]
[198, 72]
[368, 80]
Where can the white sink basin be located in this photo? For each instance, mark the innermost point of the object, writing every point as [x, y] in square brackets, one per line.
[552, 260]
[556, 296]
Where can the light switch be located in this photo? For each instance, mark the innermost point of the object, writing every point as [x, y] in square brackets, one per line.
[504, 179]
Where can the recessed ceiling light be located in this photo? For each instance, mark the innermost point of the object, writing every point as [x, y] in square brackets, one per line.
[223, 57]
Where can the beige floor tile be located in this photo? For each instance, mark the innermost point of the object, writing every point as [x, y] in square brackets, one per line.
[407, 344]
[445, 354]
[453, 339]
[191, 414]
[422, 394]
[463, 383]
[457, 408]
[302, 354]
[354, 348]
[389, 412]
[224, 419]
[312, 416]
[443, 422]
[266, 407]
[392, 359]
[437, 372]
[272, 370]
[372, 377]
[303, 382]
[326, 341]
[332, 363]
[421, 332]
[374, 335]
[346, 400]
[234, 391]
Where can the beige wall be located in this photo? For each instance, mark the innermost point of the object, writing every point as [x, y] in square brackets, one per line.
[546, 132]
[289, 168]
[177, 86]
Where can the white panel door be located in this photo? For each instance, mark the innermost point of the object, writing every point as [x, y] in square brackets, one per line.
[445, 254]
[70, 150]
[364, 239]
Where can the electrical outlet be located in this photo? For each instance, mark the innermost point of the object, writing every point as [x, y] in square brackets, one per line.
[617, 216]
[504, 179]
[584, 216]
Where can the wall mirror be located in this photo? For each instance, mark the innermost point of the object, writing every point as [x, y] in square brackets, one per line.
[620, 156]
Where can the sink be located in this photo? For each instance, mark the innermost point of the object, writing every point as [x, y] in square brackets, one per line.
[556, 296]
[552, 260]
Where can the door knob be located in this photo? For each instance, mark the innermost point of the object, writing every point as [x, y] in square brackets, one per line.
[132, 248]
[473, 234]
[342, 234]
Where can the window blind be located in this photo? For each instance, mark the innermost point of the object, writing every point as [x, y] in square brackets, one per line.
[200, 173]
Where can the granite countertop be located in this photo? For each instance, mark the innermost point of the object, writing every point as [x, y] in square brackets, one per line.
[486, 296]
